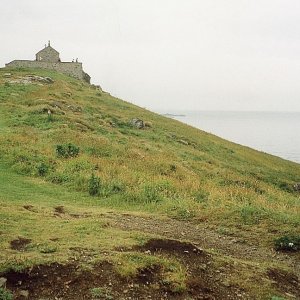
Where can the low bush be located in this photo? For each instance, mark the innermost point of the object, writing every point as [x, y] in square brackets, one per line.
[42, 169]
[67, 150]
[287, 243]
[94, 185]
[5, 294]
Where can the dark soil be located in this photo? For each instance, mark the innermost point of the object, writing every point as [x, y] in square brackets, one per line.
[59, 209]
[204, 278]
[29, 208]
[285, 281]
[173, 247]
[203, 281]
[68, 282]
[19, 244]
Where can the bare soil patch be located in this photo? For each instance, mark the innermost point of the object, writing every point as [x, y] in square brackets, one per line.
[59, 209]
[206, 238]
[204, 281]
[173, 247]
[19, 244]
[285, 281]
[29, 208]
[69, 282]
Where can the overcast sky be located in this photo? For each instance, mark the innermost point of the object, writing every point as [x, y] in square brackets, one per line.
[169, 54]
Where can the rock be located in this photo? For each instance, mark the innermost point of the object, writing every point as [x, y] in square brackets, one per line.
[112, 124]
[183, 142]
[24, 294]
[3, 282]
[226, 283]
[96, 87]
[7, 75]
[32, 79]
[297, 187]
[49, 80]
[138, 123]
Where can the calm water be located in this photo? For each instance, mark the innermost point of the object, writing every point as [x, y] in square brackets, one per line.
[277, 133]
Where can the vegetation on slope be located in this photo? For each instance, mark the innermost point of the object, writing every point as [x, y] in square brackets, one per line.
[86, 155]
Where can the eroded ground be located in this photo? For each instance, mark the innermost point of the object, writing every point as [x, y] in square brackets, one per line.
[183, 261]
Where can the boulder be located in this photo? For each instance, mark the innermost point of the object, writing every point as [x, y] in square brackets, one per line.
[138, 123]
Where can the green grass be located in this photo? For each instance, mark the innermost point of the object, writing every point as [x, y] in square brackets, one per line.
[140, 169]
[203, 179]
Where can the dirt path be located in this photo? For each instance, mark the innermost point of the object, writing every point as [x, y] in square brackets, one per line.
[205, 238]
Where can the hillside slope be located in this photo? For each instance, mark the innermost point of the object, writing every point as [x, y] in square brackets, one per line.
[73, 167]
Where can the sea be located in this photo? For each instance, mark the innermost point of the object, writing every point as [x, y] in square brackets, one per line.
[277, 133]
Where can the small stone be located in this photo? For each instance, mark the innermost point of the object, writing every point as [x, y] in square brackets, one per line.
[297, 187]
[226, 283]
[290, 295]
[24, 293]
[49, 80]
[7, 75]
[183, 142]
[3, 282]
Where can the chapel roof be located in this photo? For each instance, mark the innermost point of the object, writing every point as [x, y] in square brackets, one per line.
[48, 48]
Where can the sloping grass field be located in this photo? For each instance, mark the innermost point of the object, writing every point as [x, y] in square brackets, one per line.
[70, 159]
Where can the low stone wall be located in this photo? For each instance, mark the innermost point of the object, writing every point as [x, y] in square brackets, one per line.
[73, 69]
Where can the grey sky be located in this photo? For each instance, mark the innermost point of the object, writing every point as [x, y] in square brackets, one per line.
[169, 54]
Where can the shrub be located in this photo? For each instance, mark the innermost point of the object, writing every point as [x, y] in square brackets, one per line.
[5, 294]
[67, 150]
[94, 185]
[42, 169]
[287, 243]
[286, 187]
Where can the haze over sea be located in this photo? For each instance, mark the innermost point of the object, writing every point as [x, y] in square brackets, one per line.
[276, 133]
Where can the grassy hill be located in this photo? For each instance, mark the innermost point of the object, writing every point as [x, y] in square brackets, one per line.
[82, 189]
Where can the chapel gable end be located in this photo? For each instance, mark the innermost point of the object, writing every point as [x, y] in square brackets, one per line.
[48, 54]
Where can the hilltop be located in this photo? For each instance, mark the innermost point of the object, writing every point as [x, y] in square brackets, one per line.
[101, 199]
